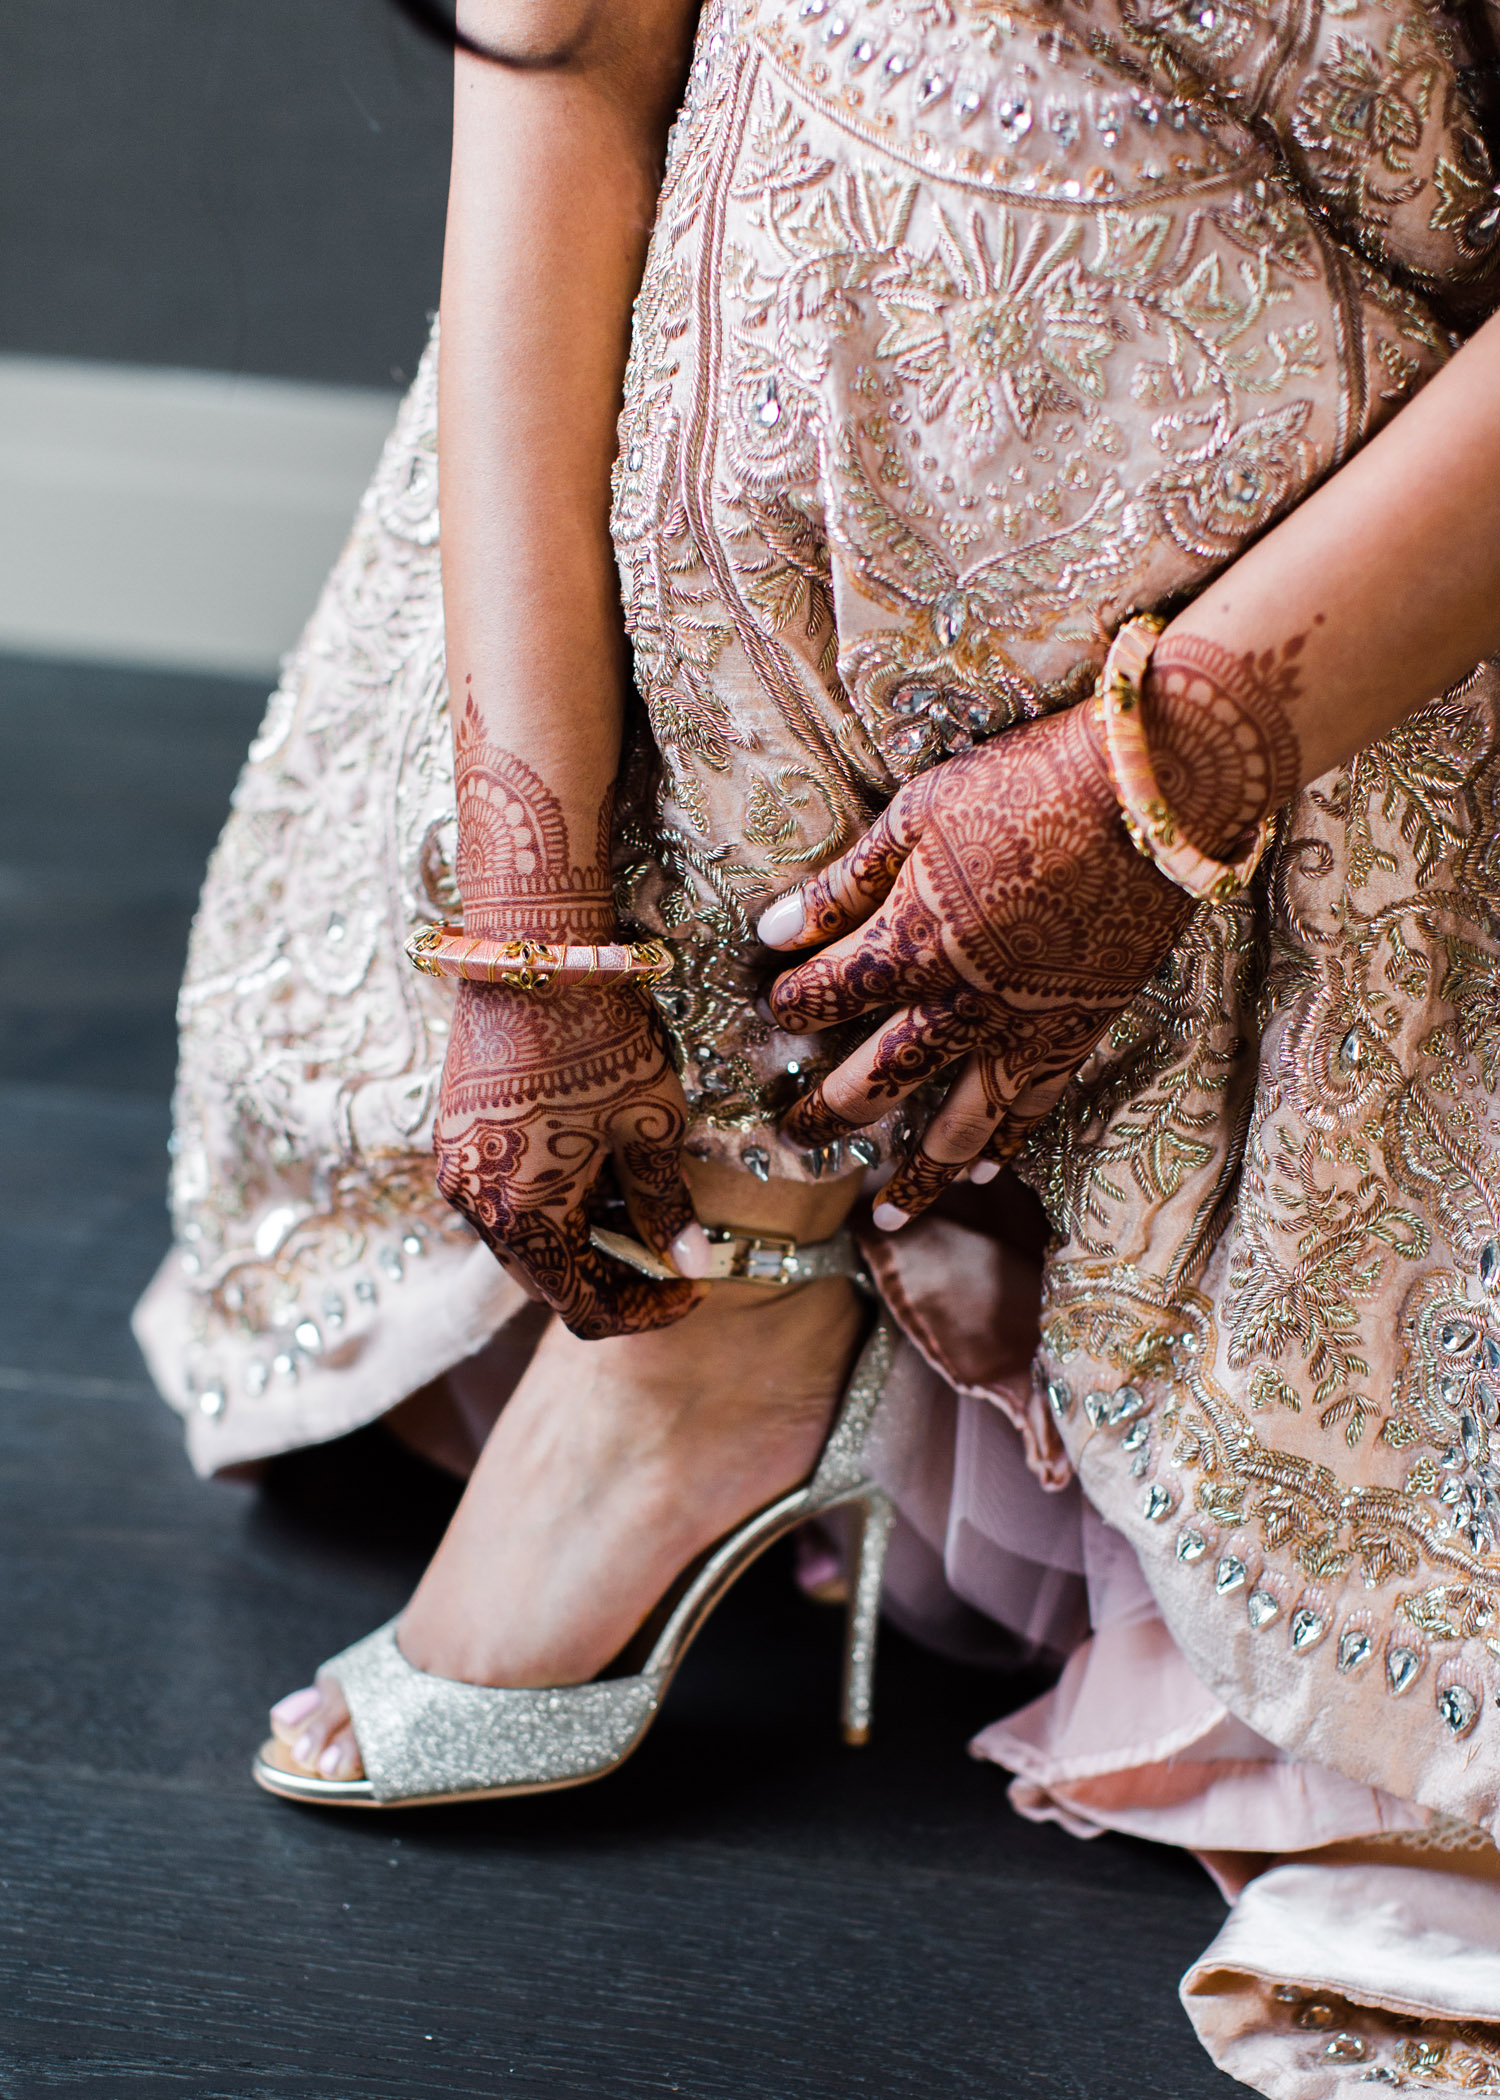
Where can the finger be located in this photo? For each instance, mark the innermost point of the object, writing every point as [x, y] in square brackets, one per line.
[545, 1244]
[909, 1049]
[610, 1298]
[592, 1294]
[1048, 1080]
[844, 894]
[648, 1154]
[894, 960]
[957, 1134]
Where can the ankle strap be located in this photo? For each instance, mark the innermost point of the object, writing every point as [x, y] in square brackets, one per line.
[771, 1258]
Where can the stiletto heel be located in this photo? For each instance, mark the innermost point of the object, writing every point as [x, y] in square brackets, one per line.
[425, 1739]
[874, 1519]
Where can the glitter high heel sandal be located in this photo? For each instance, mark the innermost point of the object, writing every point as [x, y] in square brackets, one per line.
[425, 1739]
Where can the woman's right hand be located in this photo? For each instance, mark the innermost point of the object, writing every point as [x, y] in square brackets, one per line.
[537, 1091]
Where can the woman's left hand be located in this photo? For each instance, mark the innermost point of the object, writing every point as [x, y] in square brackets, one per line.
[1002, 910]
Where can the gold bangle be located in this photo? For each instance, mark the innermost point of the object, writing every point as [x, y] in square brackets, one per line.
[525, 965]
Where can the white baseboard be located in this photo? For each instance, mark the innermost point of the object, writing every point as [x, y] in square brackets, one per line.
[181, 519]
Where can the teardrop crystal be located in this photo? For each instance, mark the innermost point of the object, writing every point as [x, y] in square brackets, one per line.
[1354, 1649]
[1401, 1667]
[1308, 1627]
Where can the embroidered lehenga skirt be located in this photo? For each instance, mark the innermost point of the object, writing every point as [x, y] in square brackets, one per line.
[967, 329]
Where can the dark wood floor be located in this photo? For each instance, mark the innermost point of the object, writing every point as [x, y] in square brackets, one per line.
[747, 1912]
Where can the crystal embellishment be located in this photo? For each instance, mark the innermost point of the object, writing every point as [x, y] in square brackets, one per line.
[1125, 1404]
[1191, 1545]
[1308, 1628]
[1060, 1398]
[1489, 1264]
[1354, 1650]
[1158, 1504]
[1013, 115]
[1262, 1606]
[766, 407]
[1345, 2048]
[1458, 1338]
[1458, 1708]
[1401, 1667]
[1229, 1575]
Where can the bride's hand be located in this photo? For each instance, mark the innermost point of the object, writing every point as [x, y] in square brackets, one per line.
[537, 1092]
[1002, 911]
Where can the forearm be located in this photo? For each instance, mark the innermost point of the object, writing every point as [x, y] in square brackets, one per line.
[1366, 602]
[557, 149]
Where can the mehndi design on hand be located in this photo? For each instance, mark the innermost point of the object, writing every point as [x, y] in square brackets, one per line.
[540, 1088]
[537, 1092]
[1002, 911]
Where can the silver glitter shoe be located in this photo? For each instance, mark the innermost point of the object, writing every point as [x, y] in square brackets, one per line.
[425, 1739]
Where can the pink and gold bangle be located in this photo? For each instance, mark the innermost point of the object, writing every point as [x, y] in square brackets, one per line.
[535, 966]
[1150, 820]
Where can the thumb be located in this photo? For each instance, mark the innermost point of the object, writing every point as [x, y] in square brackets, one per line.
[647, 1154]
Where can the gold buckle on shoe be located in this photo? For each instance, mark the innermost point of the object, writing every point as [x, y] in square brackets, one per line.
[773, 1259]
[762, 1257]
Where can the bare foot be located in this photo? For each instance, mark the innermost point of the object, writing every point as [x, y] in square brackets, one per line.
[614, 1464]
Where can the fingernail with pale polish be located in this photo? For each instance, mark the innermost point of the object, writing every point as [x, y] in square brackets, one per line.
[781, 921]
[691, 1252]
[888, 1218]
[983, 1170]
[296, 1706]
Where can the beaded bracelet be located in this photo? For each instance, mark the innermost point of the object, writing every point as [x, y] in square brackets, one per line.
[1150, 820]
[535, 966]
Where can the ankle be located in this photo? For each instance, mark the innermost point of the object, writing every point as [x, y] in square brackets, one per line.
[802, 1210]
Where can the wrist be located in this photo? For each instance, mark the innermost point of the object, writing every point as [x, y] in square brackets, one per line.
[533, 864]
[576, 916]
[1221, 741]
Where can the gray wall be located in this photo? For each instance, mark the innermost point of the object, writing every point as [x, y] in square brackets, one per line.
[246, 185]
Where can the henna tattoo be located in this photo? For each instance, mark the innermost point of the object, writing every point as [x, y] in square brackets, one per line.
[536, 1093]
[510, 1049]
[1017, 921]
[539, 1089]
[1003, 912]
[514, 866]
[1221, 734]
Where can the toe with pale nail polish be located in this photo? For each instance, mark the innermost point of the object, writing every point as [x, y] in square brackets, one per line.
[983, 1170]
[888, 1218]
[305, 1749]
[296, 1706]
[331, 1763]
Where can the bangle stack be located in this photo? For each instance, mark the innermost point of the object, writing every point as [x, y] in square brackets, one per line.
[1152, 823]
[535, 966]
